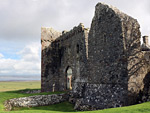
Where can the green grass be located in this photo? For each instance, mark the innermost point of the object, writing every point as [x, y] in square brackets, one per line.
[64, 107]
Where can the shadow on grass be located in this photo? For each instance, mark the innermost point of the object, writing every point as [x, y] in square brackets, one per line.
[61, 107]
[20, 93]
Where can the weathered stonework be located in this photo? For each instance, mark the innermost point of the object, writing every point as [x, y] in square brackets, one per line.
[34, 101]
[62, 54]
[109, 67]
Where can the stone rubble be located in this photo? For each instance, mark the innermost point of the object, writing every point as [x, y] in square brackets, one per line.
[34, 101]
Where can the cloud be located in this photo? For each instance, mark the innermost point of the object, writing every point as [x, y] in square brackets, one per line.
[31, 52]
[21, 22]
[1, 55]
[29, 64]
[7, 66]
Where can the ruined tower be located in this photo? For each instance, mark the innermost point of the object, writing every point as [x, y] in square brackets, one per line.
[48, 35]
[103, 67]
[64, 56]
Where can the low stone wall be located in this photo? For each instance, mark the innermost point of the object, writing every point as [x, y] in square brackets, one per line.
[33, 101]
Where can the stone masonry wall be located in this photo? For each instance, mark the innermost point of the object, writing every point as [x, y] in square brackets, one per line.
[109, 68]
[69, 55]
[34, 101]
[61, 54]
[48, 35]
[137, 67]
[140, 85]
[100, 96]
[107, 63]
[138, 70]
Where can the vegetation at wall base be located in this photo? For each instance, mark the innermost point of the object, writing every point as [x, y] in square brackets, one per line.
[65, 107]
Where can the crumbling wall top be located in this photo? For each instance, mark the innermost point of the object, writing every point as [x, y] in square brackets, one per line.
[103, 9]
[67, 34]
[49, 34]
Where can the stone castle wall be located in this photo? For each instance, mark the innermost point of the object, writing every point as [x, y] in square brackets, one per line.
[107, 63]
[109, 67]
[48, 35]
[61, 54]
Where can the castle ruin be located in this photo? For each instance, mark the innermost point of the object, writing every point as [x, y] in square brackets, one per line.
[103, 67]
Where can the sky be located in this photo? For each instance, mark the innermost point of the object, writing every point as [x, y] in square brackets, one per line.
[21, 22]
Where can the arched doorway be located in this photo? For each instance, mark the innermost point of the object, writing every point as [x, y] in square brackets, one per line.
[146, 89]
[145, 92]
[69, 78]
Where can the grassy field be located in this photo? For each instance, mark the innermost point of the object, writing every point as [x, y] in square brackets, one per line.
[64, 107]
[11, 86]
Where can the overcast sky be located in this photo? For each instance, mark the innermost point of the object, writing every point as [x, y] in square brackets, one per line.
[21, 22]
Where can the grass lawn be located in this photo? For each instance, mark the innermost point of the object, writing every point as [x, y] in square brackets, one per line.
[64, 107]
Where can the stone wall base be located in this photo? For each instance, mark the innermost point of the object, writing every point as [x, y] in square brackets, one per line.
[102, 96]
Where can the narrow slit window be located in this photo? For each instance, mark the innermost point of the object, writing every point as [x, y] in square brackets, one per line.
[69, 78]
[77, 48]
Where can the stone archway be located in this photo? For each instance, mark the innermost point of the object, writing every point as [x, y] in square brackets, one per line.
[69, 78]
[146, 89]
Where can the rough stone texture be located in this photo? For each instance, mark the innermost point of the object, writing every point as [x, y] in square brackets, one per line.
[62, 54]
[108, 52]
[98, 96]
[145, 94]
[48, 35]
[145, 45]
[33, 101]
[111, 68]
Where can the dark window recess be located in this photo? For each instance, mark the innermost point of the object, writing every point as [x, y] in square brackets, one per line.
[77, 48]
[60, 53]
[46, 70]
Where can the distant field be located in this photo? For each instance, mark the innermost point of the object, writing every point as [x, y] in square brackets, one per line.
[11, 86]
